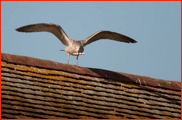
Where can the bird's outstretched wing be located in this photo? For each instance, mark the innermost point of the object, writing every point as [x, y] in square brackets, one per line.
[47, 27]
[107, 35]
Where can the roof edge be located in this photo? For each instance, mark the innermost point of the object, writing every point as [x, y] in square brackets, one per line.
[123, 77]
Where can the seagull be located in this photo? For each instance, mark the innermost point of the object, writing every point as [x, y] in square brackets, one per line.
[74, 48]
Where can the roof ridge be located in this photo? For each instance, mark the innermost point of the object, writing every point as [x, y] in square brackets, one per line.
[118, 76]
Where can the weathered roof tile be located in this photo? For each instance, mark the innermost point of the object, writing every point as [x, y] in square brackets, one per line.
[34, 88]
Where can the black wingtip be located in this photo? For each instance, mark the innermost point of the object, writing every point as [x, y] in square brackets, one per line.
[18, 29]
[21, 29]
[133, 41]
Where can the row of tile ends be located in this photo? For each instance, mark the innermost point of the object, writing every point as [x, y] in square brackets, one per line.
[93, 72]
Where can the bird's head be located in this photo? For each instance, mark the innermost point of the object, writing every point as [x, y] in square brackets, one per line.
[79, 49]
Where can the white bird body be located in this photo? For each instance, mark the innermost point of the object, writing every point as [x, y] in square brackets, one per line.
[74, 46]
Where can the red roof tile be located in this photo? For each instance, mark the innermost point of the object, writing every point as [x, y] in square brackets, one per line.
[123, 77]
[36, 88]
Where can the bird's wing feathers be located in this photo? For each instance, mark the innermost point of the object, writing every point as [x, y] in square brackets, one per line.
[47, 27]
[107, 35]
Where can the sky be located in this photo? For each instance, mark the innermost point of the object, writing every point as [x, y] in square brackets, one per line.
[155, 25]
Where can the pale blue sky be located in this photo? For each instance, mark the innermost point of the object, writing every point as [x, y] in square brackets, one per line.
[155, 25]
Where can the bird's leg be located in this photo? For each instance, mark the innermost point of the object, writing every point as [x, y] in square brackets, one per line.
[77, 60]
[68, 58]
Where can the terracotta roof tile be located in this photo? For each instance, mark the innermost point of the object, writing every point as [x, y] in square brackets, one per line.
[34, 88]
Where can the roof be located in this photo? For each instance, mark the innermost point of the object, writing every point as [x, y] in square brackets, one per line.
[36, 88]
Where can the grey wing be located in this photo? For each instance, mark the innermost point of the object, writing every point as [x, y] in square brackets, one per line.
[47, 27]
[107, 35]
